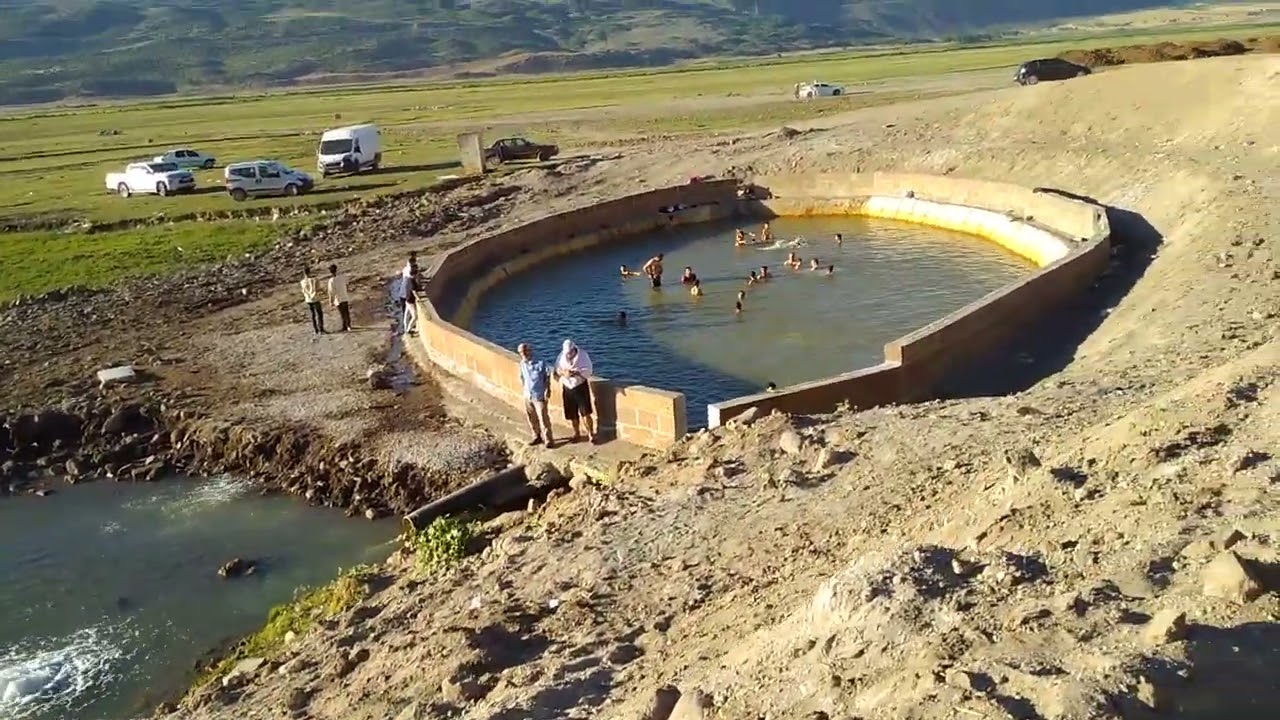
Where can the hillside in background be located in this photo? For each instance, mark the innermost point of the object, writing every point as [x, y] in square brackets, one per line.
[54, 49]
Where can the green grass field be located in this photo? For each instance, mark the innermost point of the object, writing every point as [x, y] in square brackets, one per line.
[53, 160]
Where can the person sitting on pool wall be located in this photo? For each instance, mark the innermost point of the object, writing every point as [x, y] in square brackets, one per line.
[624, 272]
[653, 268]
[574, 369]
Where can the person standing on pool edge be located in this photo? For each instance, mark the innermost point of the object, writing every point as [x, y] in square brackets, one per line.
[573, 367]
[535, 384]
[653, 269]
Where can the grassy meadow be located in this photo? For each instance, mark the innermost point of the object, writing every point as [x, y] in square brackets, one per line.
[53, 159]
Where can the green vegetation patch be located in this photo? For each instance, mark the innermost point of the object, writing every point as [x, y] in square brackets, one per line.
[443, 543]
[36, 262]
[308, 607]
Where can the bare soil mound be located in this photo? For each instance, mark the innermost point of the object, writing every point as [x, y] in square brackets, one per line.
[1097, 542]
[1166, 51]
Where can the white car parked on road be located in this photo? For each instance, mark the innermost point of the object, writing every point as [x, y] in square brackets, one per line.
[161, 178]
[187, 158]
[810, 90]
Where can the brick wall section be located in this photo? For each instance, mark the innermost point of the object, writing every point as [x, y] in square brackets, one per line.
[1068, 239]
[649, 417]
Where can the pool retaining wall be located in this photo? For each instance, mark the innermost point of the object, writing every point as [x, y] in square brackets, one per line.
[650, 417]
[1068, 239]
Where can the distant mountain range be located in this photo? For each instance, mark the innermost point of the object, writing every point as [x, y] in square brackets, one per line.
[54, 49]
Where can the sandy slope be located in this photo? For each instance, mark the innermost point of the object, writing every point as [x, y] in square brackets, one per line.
[984, 557]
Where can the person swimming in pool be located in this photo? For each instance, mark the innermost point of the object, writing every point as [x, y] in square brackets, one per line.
[752, 278]
[766, 235]
[626, 273]
[764, 273]
[831, 269]
[839, 239]
[653, 268]
[689, 277]
[793, 261]
[622, 318]
[737, 306]
[739, 238]
[696, 288]
[814, 264]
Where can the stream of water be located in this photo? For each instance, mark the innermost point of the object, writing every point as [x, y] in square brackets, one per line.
[110, 591]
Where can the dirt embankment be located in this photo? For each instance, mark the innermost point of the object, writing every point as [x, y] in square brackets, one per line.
[186, 415]
[1167, 51]
[1089, 535]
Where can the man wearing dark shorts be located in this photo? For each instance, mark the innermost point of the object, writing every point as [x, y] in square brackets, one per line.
[573, 367]
[653, 269]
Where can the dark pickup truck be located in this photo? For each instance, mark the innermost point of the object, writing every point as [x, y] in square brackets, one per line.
[508, 149]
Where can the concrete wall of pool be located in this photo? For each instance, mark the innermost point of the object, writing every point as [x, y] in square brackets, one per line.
[1068, 239]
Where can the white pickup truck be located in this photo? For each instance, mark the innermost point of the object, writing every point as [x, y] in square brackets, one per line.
[161, 178]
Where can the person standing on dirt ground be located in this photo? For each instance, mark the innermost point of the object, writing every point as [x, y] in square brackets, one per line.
[339, 297]
[535, 383]
[408, 295]
[311, 296]
[401, 288]
[409, 320]
[653, 269]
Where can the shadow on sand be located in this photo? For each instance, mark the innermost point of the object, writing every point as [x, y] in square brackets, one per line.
[1050, 344]
[1229, 672]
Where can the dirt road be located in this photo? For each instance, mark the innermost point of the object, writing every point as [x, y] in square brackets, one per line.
[1098, 544]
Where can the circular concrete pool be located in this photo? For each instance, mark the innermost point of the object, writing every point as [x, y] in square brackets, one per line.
[890, 278]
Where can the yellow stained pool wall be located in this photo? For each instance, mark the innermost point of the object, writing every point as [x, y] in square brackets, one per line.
[1067, 239]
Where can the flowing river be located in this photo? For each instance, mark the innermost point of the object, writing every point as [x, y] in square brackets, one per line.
[111, 592]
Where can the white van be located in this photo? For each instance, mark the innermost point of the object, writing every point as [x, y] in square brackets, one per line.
[349, 150]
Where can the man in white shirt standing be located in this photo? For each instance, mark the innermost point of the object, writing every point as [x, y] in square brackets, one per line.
[338, 296]
[311, 296]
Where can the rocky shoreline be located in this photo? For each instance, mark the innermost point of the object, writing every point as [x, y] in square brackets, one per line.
[139, 441]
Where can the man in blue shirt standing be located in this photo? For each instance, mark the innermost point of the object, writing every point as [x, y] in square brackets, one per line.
[535, 382]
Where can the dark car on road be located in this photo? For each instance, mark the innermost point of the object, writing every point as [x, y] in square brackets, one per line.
[518, 148]
[1032, 72]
